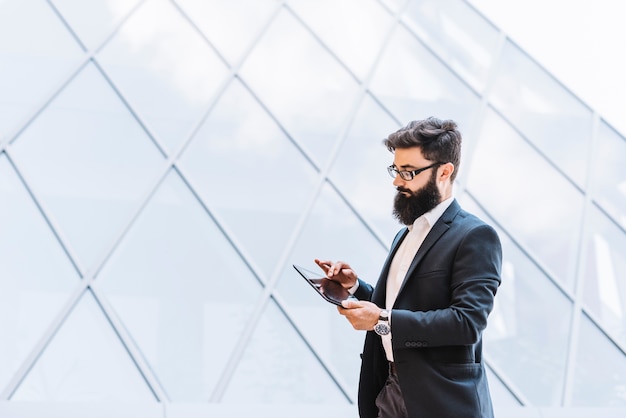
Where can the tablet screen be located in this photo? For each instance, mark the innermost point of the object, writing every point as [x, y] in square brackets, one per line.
[330, 290]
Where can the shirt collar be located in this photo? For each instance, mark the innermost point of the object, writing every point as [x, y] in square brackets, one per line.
[434, 215]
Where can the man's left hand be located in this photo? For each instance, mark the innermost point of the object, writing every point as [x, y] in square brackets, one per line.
[362, 315]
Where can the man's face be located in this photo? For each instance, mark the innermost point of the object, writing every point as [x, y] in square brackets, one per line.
[418, 195]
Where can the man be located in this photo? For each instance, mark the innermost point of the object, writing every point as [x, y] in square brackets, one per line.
[423, 353]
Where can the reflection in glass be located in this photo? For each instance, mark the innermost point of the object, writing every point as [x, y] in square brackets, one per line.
[165, 69]
[352, 29]
[605, 288]
[359, 170]
[332, 232]
[501, 397]
[232, 26]
[37, 54]
[36, 277]
[528, 332]
[250, 174]
[458, 34]
[544, 111]
[278, 368]
[247, 197]
[609, 173]
[301, 84]
[525, 194]
[93, 20]
[413, 84]
[90, 161]
[95, 367]
[181, 290]
[600, 370]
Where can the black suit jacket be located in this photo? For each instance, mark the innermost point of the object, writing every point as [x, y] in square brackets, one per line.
[437, 321]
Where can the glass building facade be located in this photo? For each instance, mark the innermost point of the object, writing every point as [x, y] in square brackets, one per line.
[163, 163]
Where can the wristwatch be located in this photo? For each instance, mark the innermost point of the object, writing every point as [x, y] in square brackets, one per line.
[382, 326]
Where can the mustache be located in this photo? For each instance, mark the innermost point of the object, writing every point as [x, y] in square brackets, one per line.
[401, 189]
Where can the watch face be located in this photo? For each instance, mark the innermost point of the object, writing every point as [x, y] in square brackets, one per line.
[382, 329]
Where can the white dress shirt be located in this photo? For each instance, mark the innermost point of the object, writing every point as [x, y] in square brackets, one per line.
[403, 259]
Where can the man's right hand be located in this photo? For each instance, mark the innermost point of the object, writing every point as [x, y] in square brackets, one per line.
[338, 271]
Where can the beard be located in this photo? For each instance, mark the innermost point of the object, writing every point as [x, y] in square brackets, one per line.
[407, 209]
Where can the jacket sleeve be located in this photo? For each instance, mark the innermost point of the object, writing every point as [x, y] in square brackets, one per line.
[364, 291]
[474, 277]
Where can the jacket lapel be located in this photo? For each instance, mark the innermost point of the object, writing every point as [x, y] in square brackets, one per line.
[441, 227]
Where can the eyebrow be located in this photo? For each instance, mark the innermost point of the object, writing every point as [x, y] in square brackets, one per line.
[407, 167]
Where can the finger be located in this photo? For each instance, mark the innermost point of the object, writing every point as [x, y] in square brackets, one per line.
[336, 268]
[350, 304]
[324, 265]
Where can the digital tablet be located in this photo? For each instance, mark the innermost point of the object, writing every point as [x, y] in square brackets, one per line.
[330, 290]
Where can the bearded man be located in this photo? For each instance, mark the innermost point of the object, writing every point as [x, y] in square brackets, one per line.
[425, 317]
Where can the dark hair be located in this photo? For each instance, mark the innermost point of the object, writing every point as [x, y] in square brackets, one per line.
[439, 140]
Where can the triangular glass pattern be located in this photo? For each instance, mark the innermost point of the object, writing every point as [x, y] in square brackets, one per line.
[90, 162]
[93, 367]
[181, 290]
[278, 368]
[527, 191]
[326, 237]
[414, 84]
[271, 119]
[231, 26]
[93, 21]
[514, 326]
[604, 265]
[250, 174]
[359, 171]
[292, 75]
[600, 370]
[36, 276]
[353, 29]
[37, 54]
[168, 73]
[462, 37]
[544, 111]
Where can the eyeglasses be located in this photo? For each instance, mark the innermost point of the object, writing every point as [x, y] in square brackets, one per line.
[407, 175]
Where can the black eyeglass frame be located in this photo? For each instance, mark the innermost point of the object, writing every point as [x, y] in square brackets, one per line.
[408, 175]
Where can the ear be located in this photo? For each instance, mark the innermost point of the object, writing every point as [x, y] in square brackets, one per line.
[445, 171]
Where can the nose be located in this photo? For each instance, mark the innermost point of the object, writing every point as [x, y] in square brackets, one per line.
[398, 181]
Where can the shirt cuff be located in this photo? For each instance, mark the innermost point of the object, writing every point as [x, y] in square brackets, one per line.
[354, 288]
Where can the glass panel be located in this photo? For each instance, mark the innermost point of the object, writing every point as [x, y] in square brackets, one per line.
[332, 232]
[458, 34]
[600, 370]
[360, 169]
[172, 280]
[165, 69]
[395, 5]
[501, 397]
[249, 172]
[528, 340]
[37, 53]
[605, 274]
[93, 20]
[353, 29]
[36, 277]
[230, 25]
[278, 368]
[413, 84]
[609, 173]
[301, 84]
[527, 195]
[544, 111]
[85, 361]
[90, 161]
